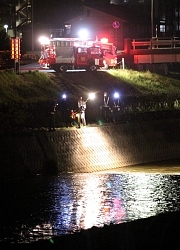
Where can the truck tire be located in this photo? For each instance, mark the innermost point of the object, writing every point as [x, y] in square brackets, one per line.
[63, 68]
[92, 67]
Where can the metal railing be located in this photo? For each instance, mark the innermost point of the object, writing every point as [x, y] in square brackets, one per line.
[156, 43]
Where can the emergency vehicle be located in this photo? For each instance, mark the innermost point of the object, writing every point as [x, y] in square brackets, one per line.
[64, 54]
[108, 51]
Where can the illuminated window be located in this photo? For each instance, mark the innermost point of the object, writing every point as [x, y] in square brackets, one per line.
[177, 27]
[82, 50]
[162, 28]
[177, 12]
[68, 29]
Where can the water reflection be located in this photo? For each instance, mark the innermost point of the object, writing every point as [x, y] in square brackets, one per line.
[45, 206]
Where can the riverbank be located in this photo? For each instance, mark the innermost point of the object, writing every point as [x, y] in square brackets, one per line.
[25, 98]
[90, 149]
[170, 167]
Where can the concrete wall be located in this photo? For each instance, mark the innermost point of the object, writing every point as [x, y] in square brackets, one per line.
[88, 149]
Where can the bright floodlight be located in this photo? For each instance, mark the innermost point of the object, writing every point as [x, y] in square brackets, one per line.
[116, 95]
[44, 40]
[83, 33]
[64, 96]
[91, 96]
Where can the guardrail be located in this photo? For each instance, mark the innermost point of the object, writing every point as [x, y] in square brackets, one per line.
[156, 43]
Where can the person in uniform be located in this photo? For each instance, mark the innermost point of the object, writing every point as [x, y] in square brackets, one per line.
[81, 112]
[51, 114]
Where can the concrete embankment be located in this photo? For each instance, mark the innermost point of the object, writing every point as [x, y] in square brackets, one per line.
[95, 148]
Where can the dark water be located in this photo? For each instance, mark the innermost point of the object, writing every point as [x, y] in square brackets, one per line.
[38, 208]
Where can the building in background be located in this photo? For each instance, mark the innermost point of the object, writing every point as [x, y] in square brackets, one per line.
[114, 22]
[6, 21]
[165, 14]
[98, 24]
[132, 19]
[16, 14]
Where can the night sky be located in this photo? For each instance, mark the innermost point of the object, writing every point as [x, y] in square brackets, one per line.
[52, 13]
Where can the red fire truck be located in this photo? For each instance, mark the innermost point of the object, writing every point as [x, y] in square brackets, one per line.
[64, 54]
[108, 51]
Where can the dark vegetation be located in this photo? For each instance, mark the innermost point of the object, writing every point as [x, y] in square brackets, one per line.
[24, 98]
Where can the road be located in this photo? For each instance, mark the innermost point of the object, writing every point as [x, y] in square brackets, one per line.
[34, 66]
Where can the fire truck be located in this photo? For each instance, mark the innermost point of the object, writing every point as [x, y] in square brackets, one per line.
[108, 51]
[64, 54]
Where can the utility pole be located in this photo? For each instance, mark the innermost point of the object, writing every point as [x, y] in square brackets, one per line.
[152, 18]
[32, 25]
[17, 42]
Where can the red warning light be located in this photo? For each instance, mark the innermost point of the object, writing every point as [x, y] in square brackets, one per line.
[15, 48]
[104, 40]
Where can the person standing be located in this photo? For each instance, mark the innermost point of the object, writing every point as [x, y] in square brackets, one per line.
[51, 113]
[81, 112]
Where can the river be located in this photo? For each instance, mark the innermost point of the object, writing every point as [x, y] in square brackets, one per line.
[42, 207]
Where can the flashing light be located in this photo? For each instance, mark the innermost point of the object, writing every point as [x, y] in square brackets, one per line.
[64, 96]
[15, 48]
[44, 40]
[116, 99]
[104, 40]
[83, 34]
[116, 95]
[91, 96]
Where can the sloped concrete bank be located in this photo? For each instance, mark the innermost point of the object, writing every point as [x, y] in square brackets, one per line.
[94, 148]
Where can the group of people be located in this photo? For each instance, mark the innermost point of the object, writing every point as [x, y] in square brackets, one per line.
[80, 114]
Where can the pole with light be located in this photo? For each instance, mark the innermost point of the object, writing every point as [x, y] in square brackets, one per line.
[116, 108]
[6, 27]
[91, 96]
[15, 44]
[116, 99]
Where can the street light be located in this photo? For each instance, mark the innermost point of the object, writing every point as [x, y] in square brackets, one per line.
[6, 27]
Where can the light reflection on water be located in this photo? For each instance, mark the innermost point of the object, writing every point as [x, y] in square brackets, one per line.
[46, 206]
